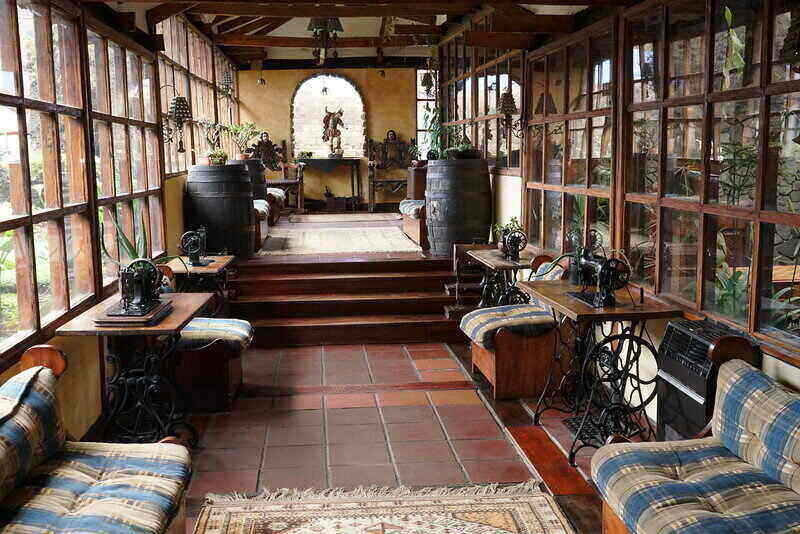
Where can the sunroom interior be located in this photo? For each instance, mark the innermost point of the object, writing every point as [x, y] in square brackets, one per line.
[538, 262]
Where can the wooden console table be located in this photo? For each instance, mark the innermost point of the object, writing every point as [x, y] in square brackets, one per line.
[598, 380]
[327, 165]
[499, 283]
[211, 278]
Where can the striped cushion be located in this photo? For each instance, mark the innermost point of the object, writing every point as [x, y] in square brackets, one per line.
[201, 331]
[30, 425]
[482, 324]
[262, 207]
[555, 274]
[278, 193]
[692, 487]
[100, 487]
[411, 208]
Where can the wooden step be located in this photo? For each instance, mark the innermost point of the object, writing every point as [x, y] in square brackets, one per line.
[256, 266]
[465, 288]
[347, 329]
[316, 305]
[395, 282]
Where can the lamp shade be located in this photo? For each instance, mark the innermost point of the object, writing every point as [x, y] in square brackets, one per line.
[179, 110]
[331, 24]
[507, 104]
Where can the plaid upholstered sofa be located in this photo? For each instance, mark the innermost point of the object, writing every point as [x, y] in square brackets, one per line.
[743, 479]
[50, 485]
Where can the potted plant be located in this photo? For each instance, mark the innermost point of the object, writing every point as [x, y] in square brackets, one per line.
[218, 157]
[502, 230]
[211, 132]
[413, 151]
[242, 136]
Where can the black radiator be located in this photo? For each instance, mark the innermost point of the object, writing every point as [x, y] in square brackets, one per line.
[688, 359]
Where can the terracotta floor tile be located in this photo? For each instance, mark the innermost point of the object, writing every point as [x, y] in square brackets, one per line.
[407, 414]
[302, 365]
[332, 358]
[348, 379]
[355, 434]
[472, 430]
[430, 474]
[384, 349]
[441, 376]
[421, 451]
[346, 366]
[299, 379]
[293, 477]
[295, 435]
[423, 431]
[435, 364]
[299, 402]
[301, 351]
[443, 398]
[392, 377]
[352, 416]
[227, 459]
[358, 454]
[294, 456]
[297, 418]
[259, 378]
[498, 471]
[403, 398]
[250, 436]
[243, 481]
[477, 449]
[250, 404]
[353, 476]
[375, 357]
[333, 349]
[424, 346]
[393, 366]
[440, 353]
[465, 412]
[350, 400]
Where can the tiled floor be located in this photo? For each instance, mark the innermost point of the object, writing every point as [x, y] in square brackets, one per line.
[340, 435]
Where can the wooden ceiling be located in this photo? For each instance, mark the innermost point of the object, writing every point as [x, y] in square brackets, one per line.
[389, 31]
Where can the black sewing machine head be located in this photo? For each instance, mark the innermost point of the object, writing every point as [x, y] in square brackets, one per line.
[514, 242]
[139, 287]
[193, 244]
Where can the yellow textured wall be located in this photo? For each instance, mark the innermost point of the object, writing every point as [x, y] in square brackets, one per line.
[390, 104]
[173, 206]
[79, 389]
[507, 192]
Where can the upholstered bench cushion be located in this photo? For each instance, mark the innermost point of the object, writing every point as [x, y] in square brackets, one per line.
[528, 319]
[278, 193]
[411, 208]
[201, 331]
[100, 487]
[262, 207]
[30, 425]
[692, 487]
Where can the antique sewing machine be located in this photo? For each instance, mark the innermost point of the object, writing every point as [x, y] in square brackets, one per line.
[514, 242]
[193, 244]
[140, 283]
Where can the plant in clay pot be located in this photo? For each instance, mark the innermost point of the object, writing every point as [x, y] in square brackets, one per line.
[218, 157]
[242, 136]
[501, 230]
[413, 151]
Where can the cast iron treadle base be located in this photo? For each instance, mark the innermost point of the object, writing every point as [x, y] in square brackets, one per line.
[592, 435]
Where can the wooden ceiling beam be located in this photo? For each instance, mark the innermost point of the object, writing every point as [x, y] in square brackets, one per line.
[418, 29]
[533, 23]
[236, 39]
[428, 20]
[504, 40]
[283, 10]
[164, 11]
[273, 25]
[234, 24]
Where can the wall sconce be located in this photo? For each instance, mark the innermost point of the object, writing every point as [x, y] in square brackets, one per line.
[226, 85]
[508, 108]
[179, 113]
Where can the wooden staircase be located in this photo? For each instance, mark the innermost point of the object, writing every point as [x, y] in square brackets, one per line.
[294, 302]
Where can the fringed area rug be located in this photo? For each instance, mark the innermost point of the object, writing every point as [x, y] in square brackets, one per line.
[284, 240]
[344, 217]
[476, 509]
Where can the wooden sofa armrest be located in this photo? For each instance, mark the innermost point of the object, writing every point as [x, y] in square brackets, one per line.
[706, 432]
[174, 440]
[617, 438]
[539, 260]
[45, 355]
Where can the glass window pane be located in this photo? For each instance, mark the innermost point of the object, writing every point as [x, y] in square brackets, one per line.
[645, 35]
[684, 171]
[98, 73]
[737, 44]
[535, 217]
[156, 225]
[491, 91]
[555, 90]
[779, 313]
[602, 143]
[645, 159]
[111, 250]
[12, 184]
[599, 214]
[37, 77]
[552, 221]
[148, 91]
[491, 142]
[602, 71]
[481, 93]
[576, 157]
[782, 191]
[77, 232]
[728, 257]
[16, 306]
[137, 159]
[50, 283]
[537, 81]
[42, 160]
[116, 72]
[734, 158]
[134, 89]
[73, 161]
[641, 226]
[554, 153]
[8, 49]
[514, 155]
[785, 56]
[153, 168]
[685, 30]
[122, 170]
[141, 225]
[679, 234]
[535, 147]
[66, 61]
[578, 78]
[575, 206]
[103, 159]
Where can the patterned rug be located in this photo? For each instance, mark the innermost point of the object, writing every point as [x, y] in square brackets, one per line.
[478, 509]
[287, 240]
[344, 217]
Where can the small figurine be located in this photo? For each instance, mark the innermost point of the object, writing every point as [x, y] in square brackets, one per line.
[331, 133]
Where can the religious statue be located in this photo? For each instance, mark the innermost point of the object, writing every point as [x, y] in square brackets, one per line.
[265, 150]
[331, 133]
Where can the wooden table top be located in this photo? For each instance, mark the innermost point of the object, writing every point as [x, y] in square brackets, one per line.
[493, 259]
[554, 293]
[186, 306]
[218, 263]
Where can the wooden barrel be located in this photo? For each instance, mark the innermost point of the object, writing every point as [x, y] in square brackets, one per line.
[220, 197]
[458, 203]
[255, 168]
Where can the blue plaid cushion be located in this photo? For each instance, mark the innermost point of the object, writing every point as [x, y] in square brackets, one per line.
[411, 208]
[201, 331]
[100, 488]
[30, 425]
[528, 319]
[692, 487]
